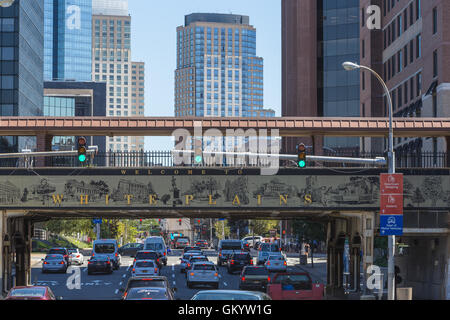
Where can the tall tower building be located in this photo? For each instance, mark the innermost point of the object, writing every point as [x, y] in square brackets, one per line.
[218, 73]
[317, 37]
[21, 66]
[111, 51]
[68, 40]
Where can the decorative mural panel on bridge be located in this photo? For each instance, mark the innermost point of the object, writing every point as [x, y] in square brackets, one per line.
[145, 189]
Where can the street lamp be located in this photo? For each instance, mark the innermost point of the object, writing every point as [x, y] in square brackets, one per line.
[349, 66]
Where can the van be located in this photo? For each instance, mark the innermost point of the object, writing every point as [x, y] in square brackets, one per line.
[227, 248]
[159, 245]
[109, 248]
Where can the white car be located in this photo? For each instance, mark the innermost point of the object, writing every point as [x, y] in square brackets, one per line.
[268, 249]
[203, 273]
[252, 239]
[276, 263]
[75, 257]
[143, 268]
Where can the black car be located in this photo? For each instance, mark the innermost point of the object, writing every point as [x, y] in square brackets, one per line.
[149, 255]
[146, 282]
[100, 264]
[131, 249]
[192, 248]
[239, 260]
[254, 278]
[62, 251]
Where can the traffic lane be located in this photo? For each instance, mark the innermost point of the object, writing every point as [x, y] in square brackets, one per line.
[92, 287]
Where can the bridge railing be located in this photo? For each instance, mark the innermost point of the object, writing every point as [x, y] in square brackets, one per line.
[144, 159]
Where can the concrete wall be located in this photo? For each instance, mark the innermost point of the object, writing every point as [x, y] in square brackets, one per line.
[1, 251]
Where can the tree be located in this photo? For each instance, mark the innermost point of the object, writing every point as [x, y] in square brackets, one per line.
[262, 227]
[308, 230]
[219, 229]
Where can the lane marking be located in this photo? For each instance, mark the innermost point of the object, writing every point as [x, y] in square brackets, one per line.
[174, 283]
[173, 276]
[225, 284]
[124, 276]
[120, 283]
[117, 291]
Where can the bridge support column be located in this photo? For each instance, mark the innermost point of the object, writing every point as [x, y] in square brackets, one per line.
[43, 143]
[335, 256]
[3, 237]
[368, 228]
[21, 250]
[355, 254]
[447, 139]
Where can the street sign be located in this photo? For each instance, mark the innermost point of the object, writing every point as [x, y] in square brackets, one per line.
[97, 221]
[221, 219]
[391, 225]
[391, 204]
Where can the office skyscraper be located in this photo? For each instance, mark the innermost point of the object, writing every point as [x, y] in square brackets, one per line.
[218, 72]
[317, 37]
[68, 40]
[21, 66]
[111, 51]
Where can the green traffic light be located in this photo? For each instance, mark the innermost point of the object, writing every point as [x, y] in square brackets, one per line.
[198, 159]
[82, 158]
[302, 164]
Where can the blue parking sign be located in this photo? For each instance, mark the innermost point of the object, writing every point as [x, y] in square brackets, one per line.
[97, 221]
[391, 225]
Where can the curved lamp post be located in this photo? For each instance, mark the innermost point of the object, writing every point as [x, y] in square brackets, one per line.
[349, 66]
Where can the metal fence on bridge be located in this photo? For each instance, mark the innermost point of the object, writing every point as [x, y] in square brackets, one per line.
[166, 159]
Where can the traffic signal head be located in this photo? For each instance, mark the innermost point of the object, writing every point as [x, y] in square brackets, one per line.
[301, 153]
[198, 152]
[82, 149]
[179, 222]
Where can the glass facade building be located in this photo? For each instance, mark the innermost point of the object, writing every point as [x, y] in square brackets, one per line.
[21, 66]
[68, 40]
[218, 73]
[339, 90]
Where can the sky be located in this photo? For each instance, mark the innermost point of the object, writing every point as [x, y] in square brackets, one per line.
[153, 41]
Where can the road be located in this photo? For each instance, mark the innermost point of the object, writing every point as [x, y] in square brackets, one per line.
[106, 287]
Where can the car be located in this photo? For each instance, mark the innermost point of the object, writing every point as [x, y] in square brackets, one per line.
[149, 255]
[54, 263]
[150, 293]
[184, 260]
[146, 282]
[159, 245]
[181, 242]
[75, 256]
[202, 243]
[108, 248]
[266, 250]
[239, 260]
[130, 249]
[192, 248]
[193, 259]
[294, 286]
[230, 295]
[276, 263]
[31, 293]
[62, 251]
[254, 278]
[203, 273]
[226, 248]
[100, 264]
[143, 268]
[252, 241]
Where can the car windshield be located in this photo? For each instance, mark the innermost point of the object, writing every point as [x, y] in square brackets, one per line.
[57, 251]
[73, 251]
[269, 247]
[54, 257]
[241, 256]
[144, 264]
[208, 267]
[276, 258]
[146, 255]
[256, 271]
[100, 258]
[105, 248]
[153, 246]
[28, 292]
[231, 245]
[182, 240]
[147, 293]
[147, 283]
[187, 256]
[293, 281]
[226, 296]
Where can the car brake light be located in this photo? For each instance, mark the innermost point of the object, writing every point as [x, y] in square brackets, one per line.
[45, 262]
[62, 262]
[117, 254]
[285, 263]
[232, 261]
[125, 295]
[107, 262]
[268, 263]
[133, 270]
[192, 273]
[216, 274]
[89, 262]
[78, 256]
[251, 262]
[268, 279]
[156, 270]
[164, 253]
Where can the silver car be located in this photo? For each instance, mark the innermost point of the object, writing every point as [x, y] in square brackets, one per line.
[143, 268]
[266, 250]
[54, 263]
[185, 259]
[203, 273]
[276, 263]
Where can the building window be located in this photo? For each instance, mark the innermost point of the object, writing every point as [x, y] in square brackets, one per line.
[419, 84]
[418, 46]
[418, 9]
[435, 20]
[435, 63]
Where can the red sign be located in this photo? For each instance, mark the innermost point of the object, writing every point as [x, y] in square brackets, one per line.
[391, 194]
[391, 183]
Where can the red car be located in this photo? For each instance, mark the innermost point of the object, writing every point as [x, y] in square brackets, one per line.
[30, 293]
[294, 286]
